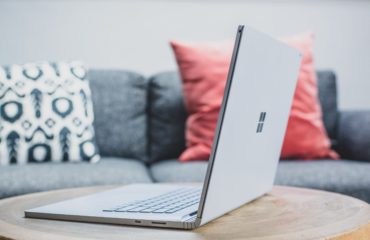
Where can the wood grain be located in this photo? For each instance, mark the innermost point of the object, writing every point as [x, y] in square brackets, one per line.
[284, 213]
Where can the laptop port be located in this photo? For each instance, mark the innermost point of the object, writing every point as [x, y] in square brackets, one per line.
[161, 223]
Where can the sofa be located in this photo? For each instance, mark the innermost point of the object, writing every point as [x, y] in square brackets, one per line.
[139, 125]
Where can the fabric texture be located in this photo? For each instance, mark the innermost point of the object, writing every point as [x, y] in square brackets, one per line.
[120, 104]
[167, 116]
[22, 179]
[326, 82]
[306, 136]
[204, 69]
[46, 114]
[343, 176]
[354, 135]
[175, 171]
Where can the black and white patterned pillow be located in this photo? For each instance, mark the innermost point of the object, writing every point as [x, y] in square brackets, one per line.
[46, 114]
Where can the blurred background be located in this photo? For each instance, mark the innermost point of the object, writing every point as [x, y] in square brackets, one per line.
[134, 35]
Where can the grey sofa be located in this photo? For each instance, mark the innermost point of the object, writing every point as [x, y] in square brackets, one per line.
[139, 124]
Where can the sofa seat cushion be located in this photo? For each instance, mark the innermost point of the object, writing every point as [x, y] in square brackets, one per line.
[16, 179]
[175, 171]
[341, 176]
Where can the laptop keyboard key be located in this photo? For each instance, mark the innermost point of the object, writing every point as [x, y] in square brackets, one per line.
[172, 210]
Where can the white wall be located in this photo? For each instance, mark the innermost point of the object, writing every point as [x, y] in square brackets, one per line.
[134, 34]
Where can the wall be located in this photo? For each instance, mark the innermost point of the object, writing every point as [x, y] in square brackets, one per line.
[134, 34]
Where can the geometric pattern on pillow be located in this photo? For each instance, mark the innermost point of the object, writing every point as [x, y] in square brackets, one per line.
[46, 114]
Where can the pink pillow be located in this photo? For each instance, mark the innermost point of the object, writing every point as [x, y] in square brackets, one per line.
[204, 67]
[306, 136]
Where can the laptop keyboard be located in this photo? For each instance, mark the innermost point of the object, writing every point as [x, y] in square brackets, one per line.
[169, 202]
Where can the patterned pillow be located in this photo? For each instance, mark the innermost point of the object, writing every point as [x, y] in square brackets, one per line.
[46, 114]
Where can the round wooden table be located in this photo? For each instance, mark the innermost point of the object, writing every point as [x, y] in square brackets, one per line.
[284, 213]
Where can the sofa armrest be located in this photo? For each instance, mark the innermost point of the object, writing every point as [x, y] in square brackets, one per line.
[354, 135]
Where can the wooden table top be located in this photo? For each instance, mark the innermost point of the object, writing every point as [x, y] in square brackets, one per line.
[284, 213]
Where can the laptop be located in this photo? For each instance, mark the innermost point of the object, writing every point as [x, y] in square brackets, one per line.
[244, 157]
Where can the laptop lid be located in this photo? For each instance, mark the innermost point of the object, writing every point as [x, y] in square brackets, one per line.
[251, 125]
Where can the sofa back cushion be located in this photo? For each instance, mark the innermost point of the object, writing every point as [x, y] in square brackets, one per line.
[120, 103]
[167, 116]
[328, 99]
[167, 113]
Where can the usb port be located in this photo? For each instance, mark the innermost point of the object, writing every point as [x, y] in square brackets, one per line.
[162, 223]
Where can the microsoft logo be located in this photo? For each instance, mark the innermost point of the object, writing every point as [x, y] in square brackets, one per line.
[261, 122]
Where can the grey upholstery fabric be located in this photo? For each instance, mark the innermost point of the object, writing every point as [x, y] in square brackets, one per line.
[175, 171]
[166, 116]
[354, 135]
[341, 176]
[120, 102]
[328, 99]
[21, 179]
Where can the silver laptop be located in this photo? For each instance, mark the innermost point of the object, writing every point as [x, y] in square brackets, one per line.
[245, 152]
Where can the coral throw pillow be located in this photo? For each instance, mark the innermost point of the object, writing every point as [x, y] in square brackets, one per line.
[204, 67]
[306, 135]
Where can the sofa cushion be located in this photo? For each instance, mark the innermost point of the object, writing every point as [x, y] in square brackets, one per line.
[306, 136]
[328, 100]
[166, 116]
[16, 179]
[342, 176]
[203, 67]
[120, 102]
[354, 135]
[175, 171]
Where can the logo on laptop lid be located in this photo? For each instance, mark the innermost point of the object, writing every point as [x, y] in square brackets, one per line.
[261, 122]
